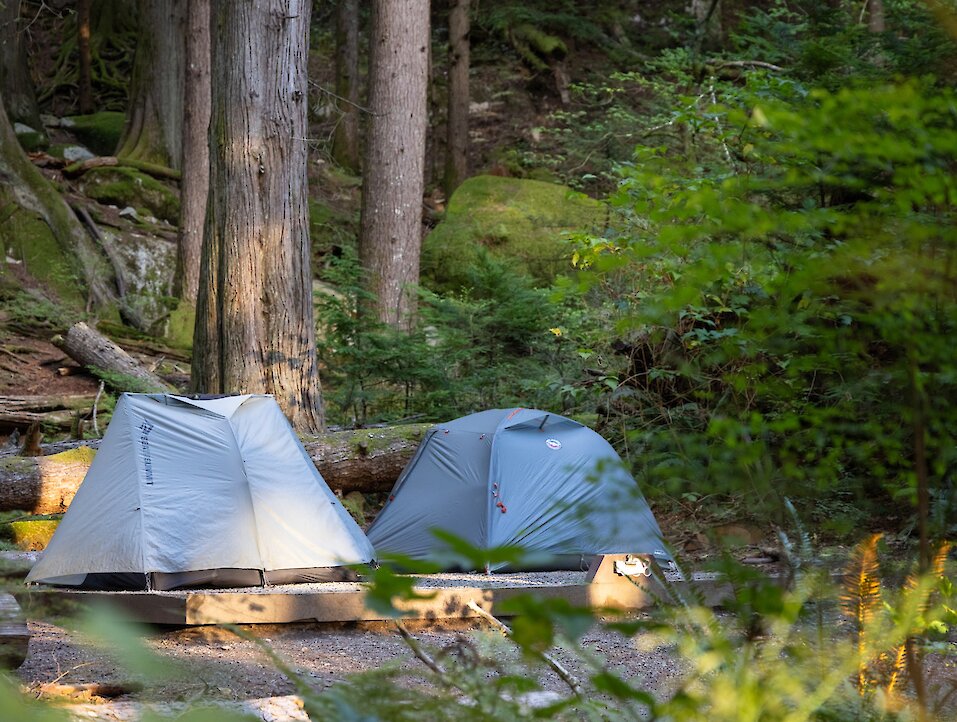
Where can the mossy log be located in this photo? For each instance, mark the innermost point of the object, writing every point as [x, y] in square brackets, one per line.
[94, 350]
[364, 460]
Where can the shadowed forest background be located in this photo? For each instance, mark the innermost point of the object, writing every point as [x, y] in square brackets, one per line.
[721, 233]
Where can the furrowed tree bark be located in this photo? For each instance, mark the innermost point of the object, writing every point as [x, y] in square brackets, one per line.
[254, 330]
[94, 350]
[456, 159]
[154, 120]
[195, 160]
[85, 80]
[390, 234]
[345, 141]
[15, 83]
[364, 460]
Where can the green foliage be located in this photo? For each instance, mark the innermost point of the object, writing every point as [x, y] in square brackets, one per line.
[488, 345]
[791, 305]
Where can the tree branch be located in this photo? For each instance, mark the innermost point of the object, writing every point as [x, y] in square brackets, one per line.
[567, 677]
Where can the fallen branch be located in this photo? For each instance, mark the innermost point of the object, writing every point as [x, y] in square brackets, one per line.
[748, 64]
[557, 667]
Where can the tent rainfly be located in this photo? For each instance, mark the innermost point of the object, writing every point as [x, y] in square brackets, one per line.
[520, 477]
[204, 491]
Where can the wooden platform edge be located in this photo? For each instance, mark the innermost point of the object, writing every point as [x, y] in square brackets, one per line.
[14, 633]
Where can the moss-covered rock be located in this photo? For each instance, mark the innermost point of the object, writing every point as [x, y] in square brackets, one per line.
[147, 264]
[100, 132]
[123, 187]
[515, 219]
[180, 325]
[30, 139]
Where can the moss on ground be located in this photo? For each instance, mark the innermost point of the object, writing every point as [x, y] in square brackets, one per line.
[124, 187]
[515, 219]
[100, 132]
[180, 325]
[80, 455]
[31, 534]
[29, 238]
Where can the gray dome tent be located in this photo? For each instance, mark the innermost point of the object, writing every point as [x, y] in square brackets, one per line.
[517, 477]
[200, 491]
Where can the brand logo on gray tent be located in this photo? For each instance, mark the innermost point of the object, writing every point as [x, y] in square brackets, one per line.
[553, 444]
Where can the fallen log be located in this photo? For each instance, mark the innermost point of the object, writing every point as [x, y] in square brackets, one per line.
[364, 460]
[55, 411]
[94, 350]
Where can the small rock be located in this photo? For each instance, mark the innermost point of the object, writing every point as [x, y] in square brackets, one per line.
[67, 123]
[74, 153]
[129, 212]
[49, 121]
[21, 129]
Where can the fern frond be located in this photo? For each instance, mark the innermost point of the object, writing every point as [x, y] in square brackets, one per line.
[861, 594]
[897, 669]
[938, 563]
[861, 597]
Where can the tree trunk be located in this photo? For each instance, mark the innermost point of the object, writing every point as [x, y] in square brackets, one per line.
[365, 460]
[15, 83]
[345, 142]
[85, 80]
[875, 16]
[456, 159]
[154, 120]
[195, 160]
[94, 350]
[39, 228]
[390, 235]
[254, 318]
[707, 15]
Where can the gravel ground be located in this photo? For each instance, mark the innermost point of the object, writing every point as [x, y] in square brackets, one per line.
[217, 665]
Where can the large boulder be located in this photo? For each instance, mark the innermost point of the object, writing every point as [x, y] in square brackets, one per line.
[100, 132]
[145, 263]
[518, 220]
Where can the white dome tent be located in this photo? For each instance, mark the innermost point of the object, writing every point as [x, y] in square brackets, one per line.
[201, 491]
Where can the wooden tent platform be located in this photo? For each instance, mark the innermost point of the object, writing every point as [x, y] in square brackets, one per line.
[448, 597]
[14, 633]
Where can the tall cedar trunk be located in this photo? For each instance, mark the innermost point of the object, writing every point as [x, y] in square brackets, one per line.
[707, 15]
[456, 159]
[195, 161]
[15, 83]
[30, 202]
[154, 119]
[875, 16]
[254, 317]
[390, 235]
[85, 81]
[345, 142]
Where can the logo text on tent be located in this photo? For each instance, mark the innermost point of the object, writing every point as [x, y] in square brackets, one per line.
[553, 444]
[145, 428]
